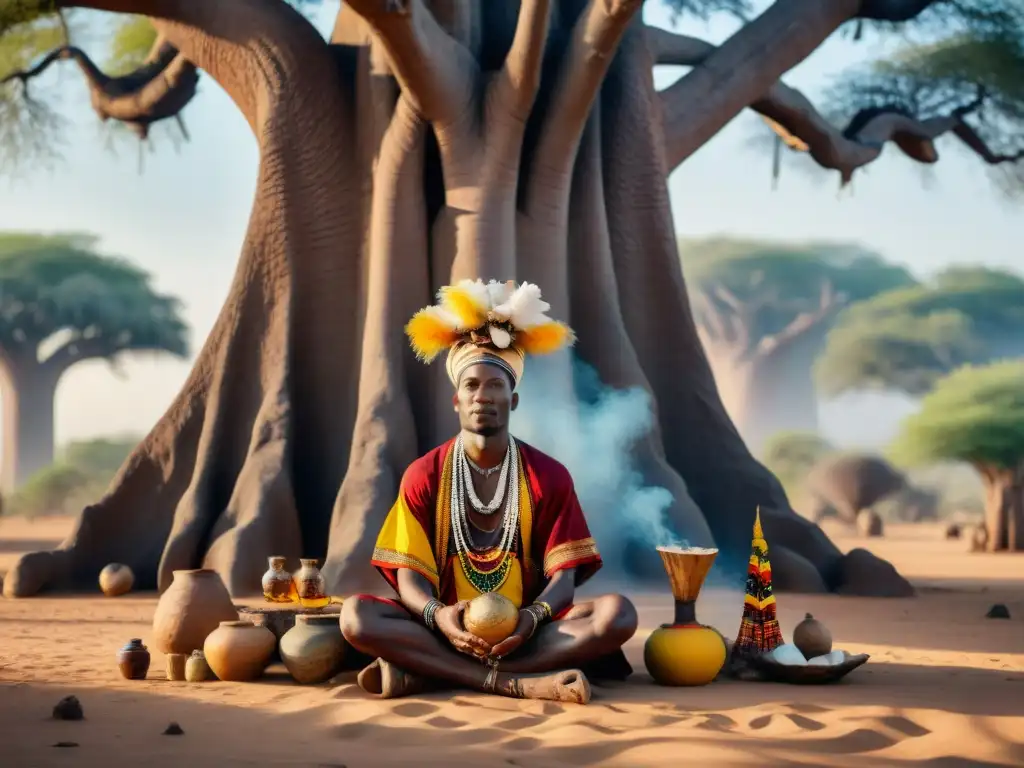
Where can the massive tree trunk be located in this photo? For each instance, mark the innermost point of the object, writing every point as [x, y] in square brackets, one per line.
[766, 382]
[765, 396]
[427, 144]
[27, 390]
[1004, 508]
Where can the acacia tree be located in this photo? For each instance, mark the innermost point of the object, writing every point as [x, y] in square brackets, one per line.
[976, 415]
[763, 310]
[427, 141]
[62, 303]
[907, 339]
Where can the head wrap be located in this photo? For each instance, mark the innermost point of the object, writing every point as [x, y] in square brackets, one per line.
[495, 323]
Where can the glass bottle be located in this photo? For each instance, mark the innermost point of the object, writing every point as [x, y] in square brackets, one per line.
[310, 586]
[278, 586]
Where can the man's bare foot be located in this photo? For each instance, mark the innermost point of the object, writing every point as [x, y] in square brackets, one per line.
[388, 681]
[570, 686]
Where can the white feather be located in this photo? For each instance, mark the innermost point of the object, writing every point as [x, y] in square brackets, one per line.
[525, 308]
[499, 336]
[497, 293]
[443, 315]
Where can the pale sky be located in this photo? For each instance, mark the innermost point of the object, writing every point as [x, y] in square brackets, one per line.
[184, 217]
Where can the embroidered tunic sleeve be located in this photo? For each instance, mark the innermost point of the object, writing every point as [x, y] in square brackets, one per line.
[405, 538]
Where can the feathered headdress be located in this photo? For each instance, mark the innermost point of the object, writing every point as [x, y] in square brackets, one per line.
[503, 316]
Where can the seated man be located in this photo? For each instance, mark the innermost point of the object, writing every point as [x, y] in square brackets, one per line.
[485, 512]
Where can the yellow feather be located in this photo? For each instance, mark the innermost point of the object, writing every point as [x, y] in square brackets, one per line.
[429, 334]
[545, 338]
[461, 303]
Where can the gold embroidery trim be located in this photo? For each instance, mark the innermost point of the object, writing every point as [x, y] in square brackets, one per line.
[388, 557]
[570, 552]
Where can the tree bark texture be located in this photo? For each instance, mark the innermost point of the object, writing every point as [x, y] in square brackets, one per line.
[429, 142]
[27, 390]
[1004, 508]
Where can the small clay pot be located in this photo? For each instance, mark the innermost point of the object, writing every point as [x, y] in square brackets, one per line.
[196, 668]
[239, 650]
[313, 650]
[133, 660]
[116, 579]
[176, 665]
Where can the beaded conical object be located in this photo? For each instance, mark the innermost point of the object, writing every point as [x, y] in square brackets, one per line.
[759, 630]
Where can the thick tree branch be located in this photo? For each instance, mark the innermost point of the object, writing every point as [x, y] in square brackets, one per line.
[830, 302]
[159, 89]
[436, 73]
[519, 78]
[677, 50]
[894, 10]
[254, 49]
[744, 68]
[794, 118]
[595, 38]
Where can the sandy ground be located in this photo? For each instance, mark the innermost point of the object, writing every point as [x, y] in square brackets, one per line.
[944, 687]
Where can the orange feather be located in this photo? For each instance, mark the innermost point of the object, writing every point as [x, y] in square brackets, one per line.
[429, 334]
[545, 338]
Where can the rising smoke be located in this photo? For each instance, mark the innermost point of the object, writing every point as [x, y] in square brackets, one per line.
[592, 436]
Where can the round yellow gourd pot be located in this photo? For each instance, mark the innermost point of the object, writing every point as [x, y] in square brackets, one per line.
[685, 652]
[684, 655]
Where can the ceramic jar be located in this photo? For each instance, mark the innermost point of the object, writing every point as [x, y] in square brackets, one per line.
[278, 586]
[133, 660]
[192, 607]
[239, 650]
[196, 668]
[116, 579]
[310, 586]
[176, 665]
[685, 652]
[313, 650]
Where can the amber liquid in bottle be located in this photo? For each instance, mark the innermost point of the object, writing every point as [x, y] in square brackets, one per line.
[278, 586]
[310, 587]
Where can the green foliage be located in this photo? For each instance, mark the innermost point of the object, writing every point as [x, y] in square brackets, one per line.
[50, 491]
[79, 477]
[952, 51]
[58, 288]
[100, 457]
[705, 9]
[974, 415]
[779, 281]
[906, 339]
[131, 43]
[791, 455]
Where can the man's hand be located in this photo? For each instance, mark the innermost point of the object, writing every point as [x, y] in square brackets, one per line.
[525, 628]
[449, 622]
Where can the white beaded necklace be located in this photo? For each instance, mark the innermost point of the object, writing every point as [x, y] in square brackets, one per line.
[462, 486]
[462, 468]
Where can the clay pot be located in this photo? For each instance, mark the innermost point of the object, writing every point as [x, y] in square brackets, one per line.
[133, 660]
[116, 579]
[685, 652]
[196, 668]
[313, 650]
[812, 638]
[192, 607]
[176, 665]
[239, 650]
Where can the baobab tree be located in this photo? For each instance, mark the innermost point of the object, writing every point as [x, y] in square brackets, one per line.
[61, 303]
[427, 141]
[763, 311]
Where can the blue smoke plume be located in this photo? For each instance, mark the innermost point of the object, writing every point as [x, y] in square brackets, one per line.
[592, 437]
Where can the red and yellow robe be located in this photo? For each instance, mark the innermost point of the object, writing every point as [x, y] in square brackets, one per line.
[553, 533]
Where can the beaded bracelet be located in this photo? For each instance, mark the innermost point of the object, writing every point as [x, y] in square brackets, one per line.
[429, 610]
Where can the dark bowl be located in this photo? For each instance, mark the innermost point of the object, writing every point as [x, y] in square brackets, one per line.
[811, 674]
